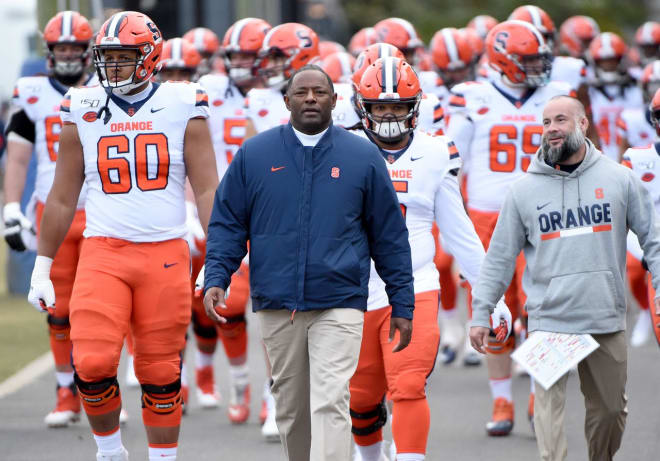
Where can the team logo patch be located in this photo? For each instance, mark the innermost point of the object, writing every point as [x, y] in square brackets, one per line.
[643, 135]
[334, 172]
[217, 102]
[32, 99]
[648, 177]
[483, 110]
[263, 112]
[90, 116]
[131, 111]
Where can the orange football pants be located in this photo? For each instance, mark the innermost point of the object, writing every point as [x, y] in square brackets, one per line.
[63, 274]
[443, 262]
[637, 281]
[402, 375]
[484, 223]
[233, 334]
[121, 285]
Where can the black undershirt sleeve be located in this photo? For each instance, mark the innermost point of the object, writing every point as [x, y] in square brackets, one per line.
[20, 124]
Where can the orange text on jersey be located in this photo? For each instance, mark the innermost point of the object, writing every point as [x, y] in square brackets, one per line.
[401, 174]
[131, 126]
[519, 118]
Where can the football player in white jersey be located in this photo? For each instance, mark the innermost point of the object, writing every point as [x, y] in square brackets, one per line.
[285, 49]
[424, 172]
[497, 127]
[134, 155]
[36, 124]
[645, 162]
[611, 89]
[228, 123]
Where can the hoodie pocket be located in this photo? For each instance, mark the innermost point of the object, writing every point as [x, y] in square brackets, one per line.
[584, 301]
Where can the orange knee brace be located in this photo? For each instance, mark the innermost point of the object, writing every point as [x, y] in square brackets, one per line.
[234, 336]
[368, 425]
[60, 339]
[161, 405]
[100, 397]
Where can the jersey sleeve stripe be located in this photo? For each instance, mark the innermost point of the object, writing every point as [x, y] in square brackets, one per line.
[65, 106]
[15, 95]
[453, 150]
[457, 100]
[438, 113]
[202, 98]
[625, 162]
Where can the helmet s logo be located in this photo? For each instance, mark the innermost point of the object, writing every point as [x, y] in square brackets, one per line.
[500, 39]
[305, 40]
[154, 30]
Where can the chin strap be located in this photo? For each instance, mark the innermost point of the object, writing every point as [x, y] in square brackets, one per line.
[105, 109]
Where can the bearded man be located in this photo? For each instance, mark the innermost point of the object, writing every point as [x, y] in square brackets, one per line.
[570, 215]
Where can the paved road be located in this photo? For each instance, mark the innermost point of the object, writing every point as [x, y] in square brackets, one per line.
[459, 400]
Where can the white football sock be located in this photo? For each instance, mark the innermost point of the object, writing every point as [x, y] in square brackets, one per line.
[64, 378]
[109, 444]
[202, 359]
[501, 388]
[410, 457]
[370, 452]
[162, 454]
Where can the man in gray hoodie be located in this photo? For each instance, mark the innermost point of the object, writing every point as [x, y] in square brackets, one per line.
[570, 215]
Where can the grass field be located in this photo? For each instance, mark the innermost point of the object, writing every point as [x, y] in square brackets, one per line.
[24, 334]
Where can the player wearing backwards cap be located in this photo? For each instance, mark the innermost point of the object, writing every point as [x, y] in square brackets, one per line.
[134, 154]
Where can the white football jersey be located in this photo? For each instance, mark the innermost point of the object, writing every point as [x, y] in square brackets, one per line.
[344, 114]
[134, 166]
[635, 127]
[431, 83]
[570, 70]
[498, 136]
[40, 98]
[228, 118]
[645, 163]
[429, 193]
[265, 107]
[607, 103]
[431, 115]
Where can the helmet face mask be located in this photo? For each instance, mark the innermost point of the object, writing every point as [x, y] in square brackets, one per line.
[240, 66]
[272, 67]
[105, 68]
[390, 127]
[67, 63]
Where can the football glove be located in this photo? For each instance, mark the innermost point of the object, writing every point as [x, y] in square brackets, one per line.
[19, 231]
[501, 321]
[195, 232]
[42, 293]
[199, 282]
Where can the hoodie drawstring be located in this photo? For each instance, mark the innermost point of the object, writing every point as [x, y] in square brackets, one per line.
[563, 181]
[579, 197]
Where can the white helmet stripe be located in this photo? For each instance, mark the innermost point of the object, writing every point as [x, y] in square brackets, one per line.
[266, 44]
[199, 38]
[383, 50]
[67, 25]
[234, 41]
[606, 43]
[345, 64]
[177, 50]
[409, 28]
[113, 27]
[536, 16]
[389, 73]
[647, 32]
[450, 44]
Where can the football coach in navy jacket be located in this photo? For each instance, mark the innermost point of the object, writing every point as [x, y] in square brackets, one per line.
[316, 204]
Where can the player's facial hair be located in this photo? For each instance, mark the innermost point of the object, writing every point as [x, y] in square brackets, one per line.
[573, 141]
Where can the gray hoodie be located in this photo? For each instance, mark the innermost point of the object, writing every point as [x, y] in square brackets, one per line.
[572, 228]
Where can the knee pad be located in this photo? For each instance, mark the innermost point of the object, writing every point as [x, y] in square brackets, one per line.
[378, 415]
[161, 405]
[410, 386]
[495, 347]
[99, 397]
[59, 328]
[234, 326]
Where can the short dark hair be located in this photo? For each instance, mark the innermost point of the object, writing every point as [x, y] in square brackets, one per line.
[309, 67]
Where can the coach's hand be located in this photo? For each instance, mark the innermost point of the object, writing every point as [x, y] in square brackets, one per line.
[478, 338]
[214, 299]
[405, 332]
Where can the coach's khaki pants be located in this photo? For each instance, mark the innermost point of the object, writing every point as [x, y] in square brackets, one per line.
[603, 383]
[313, 356]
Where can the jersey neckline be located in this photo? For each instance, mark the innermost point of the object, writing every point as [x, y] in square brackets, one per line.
[132, 108]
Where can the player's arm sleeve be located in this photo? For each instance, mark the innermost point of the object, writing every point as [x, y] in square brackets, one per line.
[21, 126]
[66, 115]
[497, 269]
[201, 108]
[458, 234]
[641, 220]
[226, 244]
[388, 239]
[459, 125]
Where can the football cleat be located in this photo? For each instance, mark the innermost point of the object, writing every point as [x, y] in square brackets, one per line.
[269, 429]
[238, 410]
[502, 422]
[207, 394]
[67, 408]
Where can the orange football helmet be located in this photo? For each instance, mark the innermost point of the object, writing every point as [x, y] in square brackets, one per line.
[206, 42]
[650, 80]
[362, 39]
[400, 33]
[129, 30]
[389, 80]
[179, 54]
[516, 50]
[477, 44]
[576, 33]
[286, 48]
[370, 55]
[539, 19]
[327, 47]
[452, 55]
[482, 24]
[607, 46]
[654, 107]
[243, 37]
[647, 39]
[68, 27]
[339, 66]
